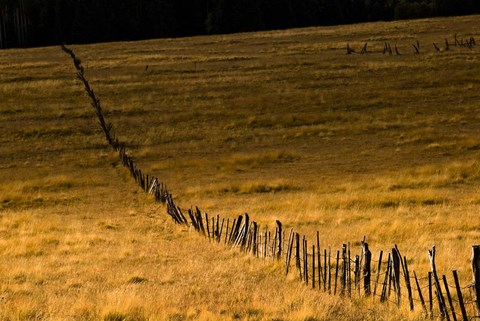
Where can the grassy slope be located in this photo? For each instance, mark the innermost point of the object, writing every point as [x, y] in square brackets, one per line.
[282, 125]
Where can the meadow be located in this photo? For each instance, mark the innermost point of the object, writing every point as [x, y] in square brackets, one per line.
[282, 125]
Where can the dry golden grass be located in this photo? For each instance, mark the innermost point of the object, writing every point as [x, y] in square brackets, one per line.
[282, 125]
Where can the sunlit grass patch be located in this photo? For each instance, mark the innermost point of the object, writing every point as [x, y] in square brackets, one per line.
[246, 161]
[256, 188]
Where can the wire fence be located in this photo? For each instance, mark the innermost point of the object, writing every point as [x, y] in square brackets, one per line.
[336, 272]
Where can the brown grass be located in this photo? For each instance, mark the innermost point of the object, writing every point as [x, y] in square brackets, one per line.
[282, 125]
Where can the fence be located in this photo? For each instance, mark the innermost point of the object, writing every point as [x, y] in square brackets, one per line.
[339, 272]
[469, 43]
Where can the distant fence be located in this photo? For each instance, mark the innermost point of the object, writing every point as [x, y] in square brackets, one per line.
[346, 272]
[469, 43]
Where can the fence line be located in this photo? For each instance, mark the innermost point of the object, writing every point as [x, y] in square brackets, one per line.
[334, 274]
[469, 43]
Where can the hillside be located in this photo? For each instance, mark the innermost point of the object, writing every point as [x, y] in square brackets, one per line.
[282, 125]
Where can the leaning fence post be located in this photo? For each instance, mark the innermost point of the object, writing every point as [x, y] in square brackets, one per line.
[440, 297]
[407, 282]
[396, 258]
[226, 230]
[219, 237]
[289, 251]
[450, 302]
[378, 273]
[366, 268]
[207, 225]
[476, 274]
[420, 295]
[383, 296]
[460, 296]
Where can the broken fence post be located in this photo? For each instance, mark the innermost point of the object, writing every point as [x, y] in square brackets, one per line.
[476, 274]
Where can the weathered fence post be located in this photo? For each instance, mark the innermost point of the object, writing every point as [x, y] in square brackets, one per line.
[407, 282]
[349, 270]
[226, 230]
[313, 266]
[460, 296]
[383, 296]
[366, 268]
[420, 295]
[476, 274]
[343, 275]
[336, 273]
[219, 237]
[279, 238]
[200, 219]
[319, 262]
[297, 254]
[430, 295]
[207, 225]
[450, 302]
[378, 273]
[396, 274]
[246, 231]
[440, 297]
[289, 252]
[357, 273]
[305, 259]
[328, 278]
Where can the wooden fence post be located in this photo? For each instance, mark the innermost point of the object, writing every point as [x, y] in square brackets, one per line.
[430, 295]
[407, 282]
[450, 302]
[226, 230]
[357, 274]
[366, 268]
[383, 296]
[235, 229]
[246, 231]
[328, 278]
[460, 296]
[297, 254]
[441, 299]
[396, 274]
[313, 266]
[336, 273]
[476, 274]
[349, 270]
[207, 225]
[378, 273]
[329, 268]
[343, 275]
[221, 231]
[305, 259]
[280, 241]
[420, 295]
[288, 255]
[319, 262]
[274, 245]
[200, 220]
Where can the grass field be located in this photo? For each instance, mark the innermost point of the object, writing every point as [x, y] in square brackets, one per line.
[282, 125]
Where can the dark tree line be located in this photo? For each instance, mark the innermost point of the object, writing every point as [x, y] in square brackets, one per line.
[25, 23]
